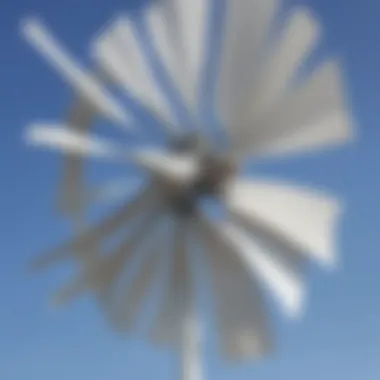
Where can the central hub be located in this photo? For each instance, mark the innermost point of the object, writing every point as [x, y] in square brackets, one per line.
[215, 169]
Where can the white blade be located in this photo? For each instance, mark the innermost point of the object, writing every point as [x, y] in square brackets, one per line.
[109, 193]
[246, 30]
[304, 217]
[101, 273]
[130, 248]
[180, 169]
[312, 116]
[167, 329]
[279, 247]
[77, 247]
[120, 55]
[82, 81]
[128, 303]
[112, 191]
[60, 137]
[280, 279]
[96, 276]
[71, 184]
[71, 187]
[241, 319]
[284, 60]
[163, 30]
[178, 29]
[333, 130]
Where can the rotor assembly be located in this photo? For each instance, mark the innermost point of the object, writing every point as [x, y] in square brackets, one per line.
[266, 110]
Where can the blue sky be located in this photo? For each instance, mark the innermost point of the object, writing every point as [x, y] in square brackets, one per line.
[338, 339]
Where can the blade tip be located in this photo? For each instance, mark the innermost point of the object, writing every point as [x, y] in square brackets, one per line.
[28, 24]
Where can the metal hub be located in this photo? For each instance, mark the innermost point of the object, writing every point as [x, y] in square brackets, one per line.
[215, 171]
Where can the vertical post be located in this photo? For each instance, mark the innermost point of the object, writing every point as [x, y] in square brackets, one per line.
[189, 326]
[191, 363]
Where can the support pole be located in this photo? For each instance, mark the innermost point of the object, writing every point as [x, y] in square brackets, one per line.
[189, 334]
[191, 362]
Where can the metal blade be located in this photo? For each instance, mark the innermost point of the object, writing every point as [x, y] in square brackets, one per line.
[275, 275]
[128, 303]
[168, 326]
[245, 34]
[120, 55]
[284, 60]
[93, 236]
[58, 136]
[163, 30]
[112, 191]
[106, 295]
[302, 217]
[280, 248]
[240, 316]
[178, 29]
[101, 273]
[109, 193]
[70, 189]
[180, 169]
[312, 116]
[82, 81]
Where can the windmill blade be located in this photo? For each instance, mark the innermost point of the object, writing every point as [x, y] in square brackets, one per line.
[167, 328]
[313, 116]
[275, 275]
[145, 228]
[245, 33]
[70, 189]
[299, 37]
[82, 82]
[179, 30]
[112, 191]
[101, 273]
[120, 55]
[302, 217]
[128, 303]
[241, 319]
[179, 169]
[281, 249]
[59, 136]
[163, 29]
[334, 130]
[107, 194]
[95, 235]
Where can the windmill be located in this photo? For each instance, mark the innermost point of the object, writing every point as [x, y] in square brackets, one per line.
[269, 105]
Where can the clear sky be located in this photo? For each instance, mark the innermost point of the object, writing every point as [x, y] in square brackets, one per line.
[339, 337]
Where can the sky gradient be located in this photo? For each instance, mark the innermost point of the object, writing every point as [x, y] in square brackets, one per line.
[338, 338]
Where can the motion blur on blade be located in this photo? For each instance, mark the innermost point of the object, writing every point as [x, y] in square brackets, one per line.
[266, 109]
